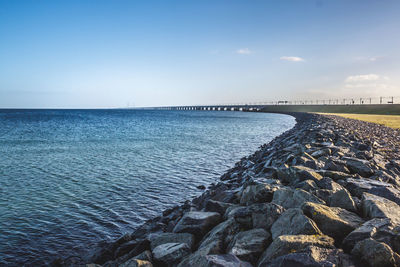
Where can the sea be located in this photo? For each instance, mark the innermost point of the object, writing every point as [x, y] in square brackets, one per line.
[70, 179]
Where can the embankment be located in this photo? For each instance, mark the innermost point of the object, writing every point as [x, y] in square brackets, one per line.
[325, 193]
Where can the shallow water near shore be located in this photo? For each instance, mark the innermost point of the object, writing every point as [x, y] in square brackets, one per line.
[71, 178]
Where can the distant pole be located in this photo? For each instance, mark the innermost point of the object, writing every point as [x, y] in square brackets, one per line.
[392, 100]
[370, 100]
[380, 100]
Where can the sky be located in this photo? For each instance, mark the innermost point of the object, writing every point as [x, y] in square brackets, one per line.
[106, 54]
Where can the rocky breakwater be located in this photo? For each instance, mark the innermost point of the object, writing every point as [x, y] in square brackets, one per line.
[325, 193]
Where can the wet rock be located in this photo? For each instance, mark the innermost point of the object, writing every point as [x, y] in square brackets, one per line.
[170, 254]
[197, 222]
[359, 166]
[286, 244]
[293, 198]
[163, 238]
[342, 199]
[293, 222]
[217, 206]
[378, 207]
[313, 257]
[374, 253]
[248, 245]
[133, 247]
[332, 221]
[201, 187]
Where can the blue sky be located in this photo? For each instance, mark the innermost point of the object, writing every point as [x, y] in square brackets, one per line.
[89, 54]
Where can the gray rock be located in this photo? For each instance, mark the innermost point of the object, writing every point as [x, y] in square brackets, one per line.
[224, 260]
[170, 253]
[293, 222]
[197, 222]
[286, 244]
[387, 192]
[366, 230]
[359, 166]
[298, 173]
[248, 245]
[293, 198]
[217, 206]
[332, 221]
[307, 185]
[374, 253]
[313, 257]
[157, 239]
[358, 186]
[342, 199]
[328, 183]
[258, 193]
[378, 207]
[136, 263]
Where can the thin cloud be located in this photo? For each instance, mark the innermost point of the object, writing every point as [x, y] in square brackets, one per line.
[293, 59]
[363, 78]
[244, 51]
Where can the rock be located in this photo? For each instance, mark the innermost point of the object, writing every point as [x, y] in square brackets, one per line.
[332, 221]
[136, 263]
[261, 215]
[224, 260]
[248, 245]
[293, 198]
[329, 184]
[293, 222]
[336, 166]
[342, 199]
[217, 206]
[219, 237]
[257, 193]
[286, 244]
[378, 207]
[163, 238]
[374, 253]
[359, 166]
[298, 173]
[321, 152]
[312, 257]
[358, 186]
[307, 185]
[170, 253]
[201, 187]
[366, 230]
[132, 247]
[197, 222]
[386, 192]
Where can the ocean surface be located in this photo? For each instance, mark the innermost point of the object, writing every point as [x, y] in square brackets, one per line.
[71, 178]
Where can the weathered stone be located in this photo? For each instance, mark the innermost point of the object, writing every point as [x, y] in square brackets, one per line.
[293, 198]
[321, 152]
[170, 253]
[286, 244]
[313, 257]
[374, 253]
[307, 185]
[378, 207]
[197, 222]
[157, 239]
[258, 193]
[342, 199]
[328, 183]
[136, 263]
[336, 166]
[332, 221]
[217, 206]
[366, 230]
[218, 238]
[302, 173]
[359, 166]
[293, 222]
[224, 260]
[248, 245]
[358, 186]
[386, 192]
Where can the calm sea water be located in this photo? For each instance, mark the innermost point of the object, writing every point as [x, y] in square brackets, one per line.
[71, 178]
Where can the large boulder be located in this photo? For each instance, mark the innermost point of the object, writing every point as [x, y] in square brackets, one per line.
[293, 198]
[358, 186]
[312, 257]
[293, 222]
[217, 206]
[298, 173]
[224, 260]
[333, 221]
[260, 215]
[387, 192]
[378, 207]
[359, 166]
[286, 244]
[258, 193]
[342, 199]
[157, 239]
[197, 223]
[170, 254]
[374, 253]
[136, 263]
[248, 245]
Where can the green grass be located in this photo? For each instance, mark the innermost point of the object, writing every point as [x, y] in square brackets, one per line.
[392, 121]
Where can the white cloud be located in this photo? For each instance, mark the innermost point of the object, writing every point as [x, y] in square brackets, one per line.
[293, 59]
[370, 59]
[244, 51]
[362, 78]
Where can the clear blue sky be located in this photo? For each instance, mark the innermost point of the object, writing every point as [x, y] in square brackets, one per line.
[150, 53]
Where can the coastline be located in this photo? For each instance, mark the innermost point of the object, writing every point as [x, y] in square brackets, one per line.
[325, 191]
